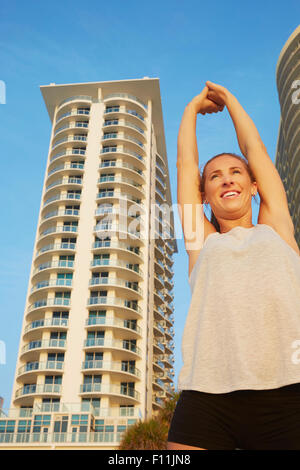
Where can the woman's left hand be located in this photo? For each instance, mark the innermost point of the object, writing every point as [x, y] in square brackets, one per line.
[217, 93]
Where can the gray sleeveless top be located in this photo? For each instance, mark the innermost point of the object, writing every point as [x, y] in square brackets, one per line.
[243, 325]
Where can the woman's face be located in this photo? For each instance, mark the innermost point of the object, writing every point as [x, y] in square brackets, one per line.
[224, 174]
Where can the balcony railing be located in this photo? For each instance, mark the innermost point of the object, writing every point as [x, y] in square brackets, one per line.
[60, 213]
[109, 389]
[63, 196]
[73, 98]
[116, 263]
[47, 322]
[49, 365]
[114, 322]
[38, 389]
[120, 179]
[59, 229]
[113, 343]
[121, 149]
[114, 365]
[52, 283]
[69, 180]
[44, 344]
[115, 281]
[78, 112]
[109, 243]
[73, 138]
[74, 151]
[67, 166]
[114, 301]
[127, 96]
[54, 264]
[49, 303]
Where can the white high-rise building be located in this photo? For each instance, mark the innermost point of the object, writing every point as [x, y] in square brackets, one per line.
[288, 144]
[96, 347]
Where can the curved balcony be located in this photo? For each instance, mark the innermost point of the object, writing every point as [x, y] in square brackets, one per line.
[51, 283]
[157, 383]
[157, 401]
[111, 138]
[169, 347]
[158, 366]
[126, 167]
[117, 195]
[75, 125]
[115, 246]
[114, 125]
[73, 152]
[33, 349]
[159, 314]
[158, 330]
[161, 171]
[34, 389]
[45, 324]
[135, 271]
[63, 248]
[54, 265]
[69, 138]
[74, 167]
[119, 369]
[128, 349]
[125, 287]
[121, 305]
[158, 297]
[160, 195]
[84, 99]
[112, 389]
[68, 214]
[124, 152]
[52, 231]
[124, 328]
[33, 369]
[70, 114]
[73, 213]
[159, 266]
[74, 182]
[114, 111]
[131, 215]
[126, 181]
[168, 360]
[45, 303]
[159, 282]
[118, 230]
[126, 97]
[158, 347]
[63, 196]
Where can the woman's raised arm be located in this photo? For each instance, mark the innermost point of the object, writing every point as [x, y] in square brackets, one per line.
[274, 204]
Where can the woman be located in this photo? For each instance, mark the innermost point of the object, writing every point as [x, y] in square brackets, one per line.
[240, 379]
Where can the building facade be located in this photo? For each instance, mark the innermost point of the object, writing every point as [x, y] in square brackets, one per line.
[288, 145]
[96, 347]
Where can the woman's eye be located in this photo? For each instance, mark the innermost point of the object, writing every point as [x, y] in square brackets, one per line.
[233, 172]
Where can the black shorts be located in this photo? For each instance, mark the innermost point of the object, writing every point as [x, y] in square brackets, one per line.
[243, 419]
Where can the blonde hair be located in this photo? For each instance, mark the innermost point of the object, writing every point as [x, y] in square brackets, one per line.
[213, 218]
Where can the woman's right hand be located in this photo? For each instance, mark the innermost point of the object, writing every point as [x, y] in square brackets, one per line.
[202, 104]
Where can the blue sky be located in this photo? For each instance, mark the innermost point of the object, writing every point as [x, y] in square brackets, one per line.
[233, 43]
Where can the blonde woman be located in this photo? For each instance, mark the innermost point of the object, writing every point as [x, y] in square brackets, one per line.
[240, 379]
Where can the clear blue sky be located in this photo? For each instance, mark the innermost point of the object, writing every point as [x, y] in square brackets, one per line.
[233, 43]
